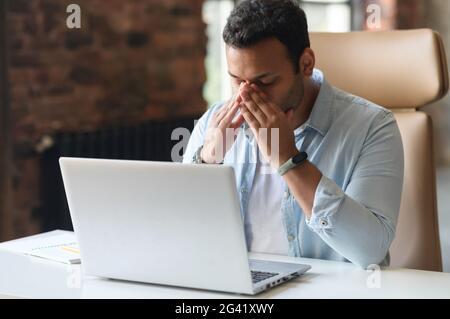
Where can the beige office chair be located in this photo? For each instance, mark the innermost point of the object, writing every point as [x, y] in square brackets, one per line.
[402, 71]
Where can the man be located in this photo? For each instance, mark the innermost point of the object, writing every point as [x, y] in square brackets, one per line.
[333, 187]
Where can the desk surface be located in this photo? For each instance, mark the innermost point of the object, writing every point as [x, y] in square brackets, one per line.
[31, 277]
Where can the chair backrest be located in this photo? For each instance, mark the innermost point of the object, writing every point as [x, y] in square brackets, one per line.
[402, 71]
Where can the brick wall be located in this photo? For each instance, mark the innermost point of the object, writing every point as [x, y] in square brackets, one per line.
[130, 62]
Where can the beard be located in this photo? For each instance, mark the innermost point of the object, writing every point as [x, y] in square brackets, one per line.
[294, 96]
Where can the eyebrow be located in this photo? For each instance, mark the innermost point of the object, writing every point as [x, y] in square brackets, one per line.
[259, 76]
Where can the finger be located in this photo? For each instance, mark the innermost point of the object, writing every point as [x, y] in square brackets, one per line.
[261, 99]
[227, 105]
[263, 96]
[238, 98]
[264, 106]
[254, 108]
[250, 118]
[224, 110]
[218, 113]
[226, 120]
[238, 121]
[260, 92]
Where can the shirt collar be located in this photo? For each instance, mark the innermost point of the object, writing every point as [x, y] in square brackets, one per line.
[321, 117]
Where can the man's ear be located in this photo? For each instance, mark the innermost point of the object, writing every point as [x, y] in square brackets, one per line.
[307, 62]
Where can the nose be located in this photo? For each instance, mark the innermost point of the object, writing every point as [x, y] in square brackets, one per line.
[246, 83]
[242, 84]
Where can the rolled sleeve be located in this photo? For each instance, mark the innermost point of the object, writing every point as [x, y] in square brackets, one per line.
[359, 221]
[327, 200]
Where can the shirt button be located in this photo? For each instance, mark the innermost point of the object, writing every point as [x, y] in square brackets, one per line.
[291, 238]
[323, 222]
[286, 195]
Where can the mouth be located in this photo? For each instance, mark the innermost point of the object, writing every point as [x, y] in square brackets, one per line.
[288, 109]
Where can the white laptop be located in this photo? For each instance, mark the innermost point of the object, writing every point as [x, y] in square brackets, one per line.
[165, 223]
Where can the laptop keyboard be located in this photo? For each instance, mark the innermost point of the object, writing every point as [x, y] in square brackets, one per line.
[258, 276]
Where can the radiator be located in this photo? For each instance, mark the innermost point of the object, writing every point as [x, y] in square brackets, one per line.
[147, 141]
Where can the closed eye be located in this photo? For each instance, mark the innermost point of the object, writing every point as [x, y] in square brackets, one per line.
[265, 79]
[265, 83]
[258, 82]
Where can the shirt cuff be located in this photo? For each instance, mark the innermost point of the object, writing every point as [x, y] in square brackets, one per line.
[327, 200]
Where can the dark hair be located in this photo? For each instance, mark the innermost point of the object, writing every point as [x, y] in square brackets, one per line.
[254, 20]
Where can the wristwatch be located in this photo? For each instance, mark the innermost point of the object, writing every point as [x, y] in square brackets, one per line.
[292, 162]
[197, 159]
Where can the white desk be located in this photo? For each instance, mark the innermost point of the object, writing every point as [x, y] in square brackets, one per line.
[30, 277]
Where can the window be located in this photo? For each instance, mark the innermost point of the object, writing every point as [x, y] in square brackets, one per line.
[323, 15]
[217, 86]
[328, 15]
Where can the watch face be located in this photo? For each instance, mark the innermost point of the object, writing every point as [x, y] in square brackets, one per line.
[300, 157]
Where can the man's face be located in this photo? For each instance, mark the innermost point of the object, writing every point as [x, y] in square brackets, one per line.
[267, 65]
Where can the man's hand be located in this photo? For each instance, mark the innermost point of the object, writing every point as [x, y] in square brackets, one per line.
[221, 132]
[265, 119]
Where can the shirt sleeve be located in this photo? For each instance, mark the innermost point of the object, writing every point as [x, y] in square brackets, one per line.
[197, 137]
[359, 223]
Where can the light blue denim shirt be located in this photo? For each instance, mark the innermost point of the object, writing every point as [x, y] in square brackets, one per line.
[357, 146]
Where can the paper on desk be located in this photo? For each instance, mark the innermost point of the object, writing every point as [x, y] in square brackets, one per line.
[60, 246]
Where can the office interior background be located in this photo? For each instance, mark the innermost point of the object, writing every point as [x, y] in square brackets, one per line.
[117, 87]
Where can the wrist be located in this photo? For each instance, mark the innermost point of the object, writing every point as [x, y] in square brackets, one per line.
[201, 155]
[197, 159]
[206, 160]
